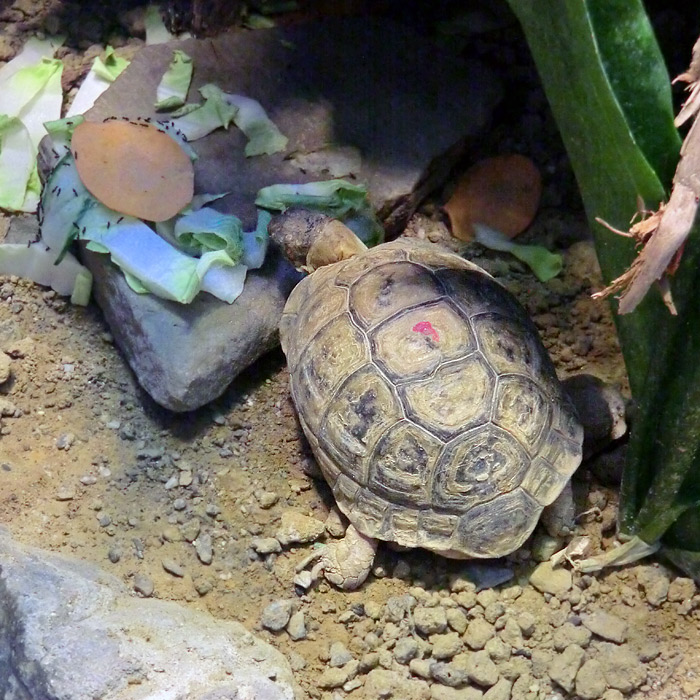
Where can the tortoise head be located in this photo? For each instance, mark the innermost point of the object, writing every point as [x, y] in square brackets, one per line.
[311, 240]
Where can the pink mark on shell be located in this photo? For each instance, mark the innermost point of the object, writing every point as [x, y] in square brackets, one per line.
[426, 328]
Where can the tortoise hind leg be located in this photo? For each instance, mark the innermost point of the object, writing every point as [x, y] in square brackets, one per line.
[558, 518]
[345, 563]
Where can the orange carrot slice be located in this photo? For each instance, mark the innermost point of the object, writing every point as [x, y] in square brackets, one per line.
[502, 192]
[133, 168]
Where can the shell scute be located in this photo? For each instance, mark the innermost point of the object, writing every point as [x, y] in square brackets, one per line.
[390, 288]
[478, 466]
[359, 413]
[455, 398]
[414, 343]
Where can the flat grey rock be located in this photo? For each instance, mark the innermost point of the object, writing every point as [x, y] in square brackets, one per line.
[69, 631]
[357, 97]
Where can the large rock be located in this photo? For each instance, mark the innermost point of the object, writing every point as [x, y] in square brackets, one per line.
[360, 98]
[69, 631]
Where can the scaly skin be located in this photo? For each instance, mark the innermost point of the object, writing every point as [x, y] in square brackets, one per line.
[345, 563]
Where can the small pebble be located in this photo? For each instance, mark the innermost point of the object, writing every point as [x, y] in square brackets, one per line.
[526, 621]
[500, 691]
[456, 619]
[65, 493]
[171, 533]
[493, 611]
[5, 367]
[445, 646]
[212, 510]
[369, 661]
[203, 586]
[613, 694]
[332, 678]
[266, 499]
[7, 408]
[546, 579]
[590, 680]
[114, 554]
[298, 528]
[382, 683]
[565, 666]
[296, 661]
[571, 634]
[497, 649]
[65, 441]
[420, 667]
[191, 529]
[406, 650]
[402, 570]
[606, 626]
[179, 504]
[681, 589]
[478, 633]
[185, 478]
[276, 615]
[143, 585]
[204, 548]
[296, 627]
[481, 669]
[88, 480]
[655, 582]
[266, 545]
[442, 692]
[398, 607]
[448, 674]
[429, 620]
[172, 567]
[621, 667]
[339, 655]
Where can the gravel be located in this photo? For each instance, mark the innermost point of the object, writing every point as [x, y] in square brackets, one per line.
[277, 614]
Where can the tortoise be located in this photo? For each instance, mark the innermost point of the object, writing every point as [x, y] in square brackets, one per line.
[429, 402]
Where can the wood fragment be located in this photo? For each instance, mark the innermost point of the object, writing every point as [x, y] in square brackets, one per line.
[663, 235]
[692, 77]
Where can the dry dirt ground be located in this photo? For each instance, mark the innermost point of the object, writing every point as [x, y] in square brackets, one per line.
[91, 467]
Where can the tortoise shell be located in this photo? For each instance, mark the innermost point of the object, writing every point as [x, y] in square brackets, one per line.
[428, 399]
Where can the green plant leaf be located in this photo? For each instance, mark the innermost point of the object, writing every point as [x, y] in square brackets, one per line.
[608, 88]
[635, 68]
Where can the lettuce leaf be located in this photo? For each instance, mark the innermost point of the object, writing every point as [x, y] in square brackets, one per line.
[101, 75]
[17, 163]
[196, 121]
[156, 31]
[255, 242]
[172, 89]
[149, 262]
[31, 94]
[139, 251]
[225, 283]
[263, 135]
[32, 52]
[544, 264]
[219, 109]
[207, 229]
[38, 263]
[340, 199]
